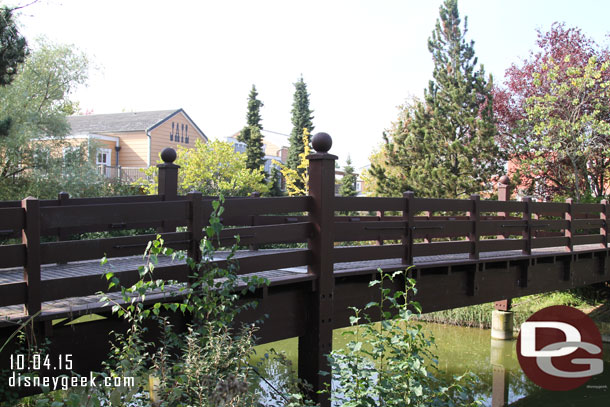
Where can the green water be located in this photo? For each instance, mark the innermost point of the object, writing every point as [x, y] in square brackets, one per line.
[462, 349]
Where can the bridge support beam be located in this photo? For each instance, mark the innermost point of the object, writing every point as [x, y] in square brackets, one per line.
[502, 325]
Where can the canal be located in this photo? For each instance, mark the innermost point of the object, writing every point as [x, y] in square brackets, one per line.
[461, 349]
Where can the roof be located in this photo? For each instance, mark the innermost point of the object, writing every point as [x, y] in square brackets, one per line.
[123, 122]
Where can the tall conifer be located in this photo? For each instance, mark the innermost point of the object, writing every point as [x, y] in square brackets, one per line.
[301, 118]
[251, 133]
[445, 145]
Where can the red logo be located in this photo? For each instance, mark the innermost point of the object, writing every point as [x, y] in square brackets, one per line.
[560, 348]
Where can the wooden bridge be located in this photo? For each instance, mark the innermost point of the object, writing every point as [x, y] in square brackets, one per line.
[465, 252]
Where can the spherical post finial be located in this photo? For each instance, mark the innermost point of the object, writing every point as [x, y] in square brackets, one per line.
[168, 155]
[322, 142]
[504, 180]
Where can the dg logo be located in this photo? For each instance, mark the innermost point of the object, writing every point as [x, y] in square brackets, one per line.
[560, 348]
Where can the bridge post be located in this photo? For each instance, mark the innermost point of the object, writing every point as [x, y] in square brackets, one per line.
[31, 239]
[407, 239]
[195, 226]
[502, 316]
[168, 183]
[569, 231]
[62, 199]
[317, 341]
[474, 235]
[527, 234]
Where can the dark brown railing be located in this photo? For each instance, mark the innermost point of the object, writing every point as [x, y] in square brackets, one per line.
[402, 228]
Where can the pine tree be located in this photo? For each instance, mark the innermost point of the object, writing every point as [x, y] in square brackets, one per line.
[301, 119]
[275, 182]
[445, 145]
[251, 133]
[348, 182]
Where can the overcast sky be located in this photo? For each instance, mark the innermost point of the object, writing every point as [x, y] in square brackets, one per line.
[360, 59]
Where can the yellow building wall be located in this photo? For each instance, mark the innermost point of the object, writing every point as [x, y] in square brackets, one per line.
[173, 133]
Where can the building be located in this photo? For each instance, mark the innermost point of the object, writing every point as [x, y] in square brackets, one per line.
[130, 141]
[271, 146]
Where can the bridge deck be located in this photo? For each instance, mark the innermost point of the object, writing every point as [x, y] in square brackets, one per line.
[90, 304]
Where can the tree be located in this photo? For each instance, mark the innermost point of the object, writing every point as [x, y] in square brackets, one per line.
[35, 157]
[554, 116]
[301, 121]
[251, 133]
[445, 144]
[297, 179]
[348, 182]
[275, 182]
[13, 47]
[212, 169]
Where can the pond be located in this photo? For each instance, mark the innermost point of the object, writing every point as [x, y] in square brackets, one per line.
[502, 382]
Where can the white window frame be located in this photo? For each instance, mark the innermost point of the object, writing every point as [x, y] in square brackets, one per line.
[102, 151]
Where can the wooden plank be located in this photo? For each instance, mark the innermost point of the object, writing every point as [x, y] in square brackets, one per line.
[443, 228]
[286, 233]
[552, 208]
[80, 286]
[555, 241]
[113, 215]
[368, 204]
[12, 221]
[13, 255]
[502, 226]
[355, 231]
[364, 253]
[10, 204]
[593, 208]
[587, 223]
[13, 294]
[542, 224]
[273, 261]
[260, 206]
[587, 239]
[69, 230]
[497, 245]
[502, 206]
[77, 250]
[438, 205]
[109, 200]
[440, 248]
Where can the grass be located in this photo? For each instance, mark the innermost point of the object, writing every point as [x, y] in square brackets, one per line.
[591, 300]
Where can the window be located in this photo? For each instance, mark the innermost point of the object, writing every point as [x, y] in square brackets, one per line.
[177, 133]
[103, 156]
[186, 134]
[171, 133]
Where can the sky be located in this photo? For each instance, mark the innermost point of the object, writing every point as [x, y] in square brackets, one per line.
[360, 59]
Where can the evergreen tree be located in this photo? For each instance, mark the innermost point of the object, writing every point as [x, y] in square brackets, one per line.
[301, 119]
[251, 133]
[254, 149]
[445, 145]
[275, 182]
[13, 47]
[348, 182]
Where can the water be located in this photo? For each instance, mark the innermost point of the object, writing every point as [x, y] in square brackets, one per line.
[502, 382]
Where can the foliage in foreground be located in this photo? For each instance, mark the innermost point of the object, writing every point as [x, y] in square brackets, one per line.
[212, 169]
[391, 363]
